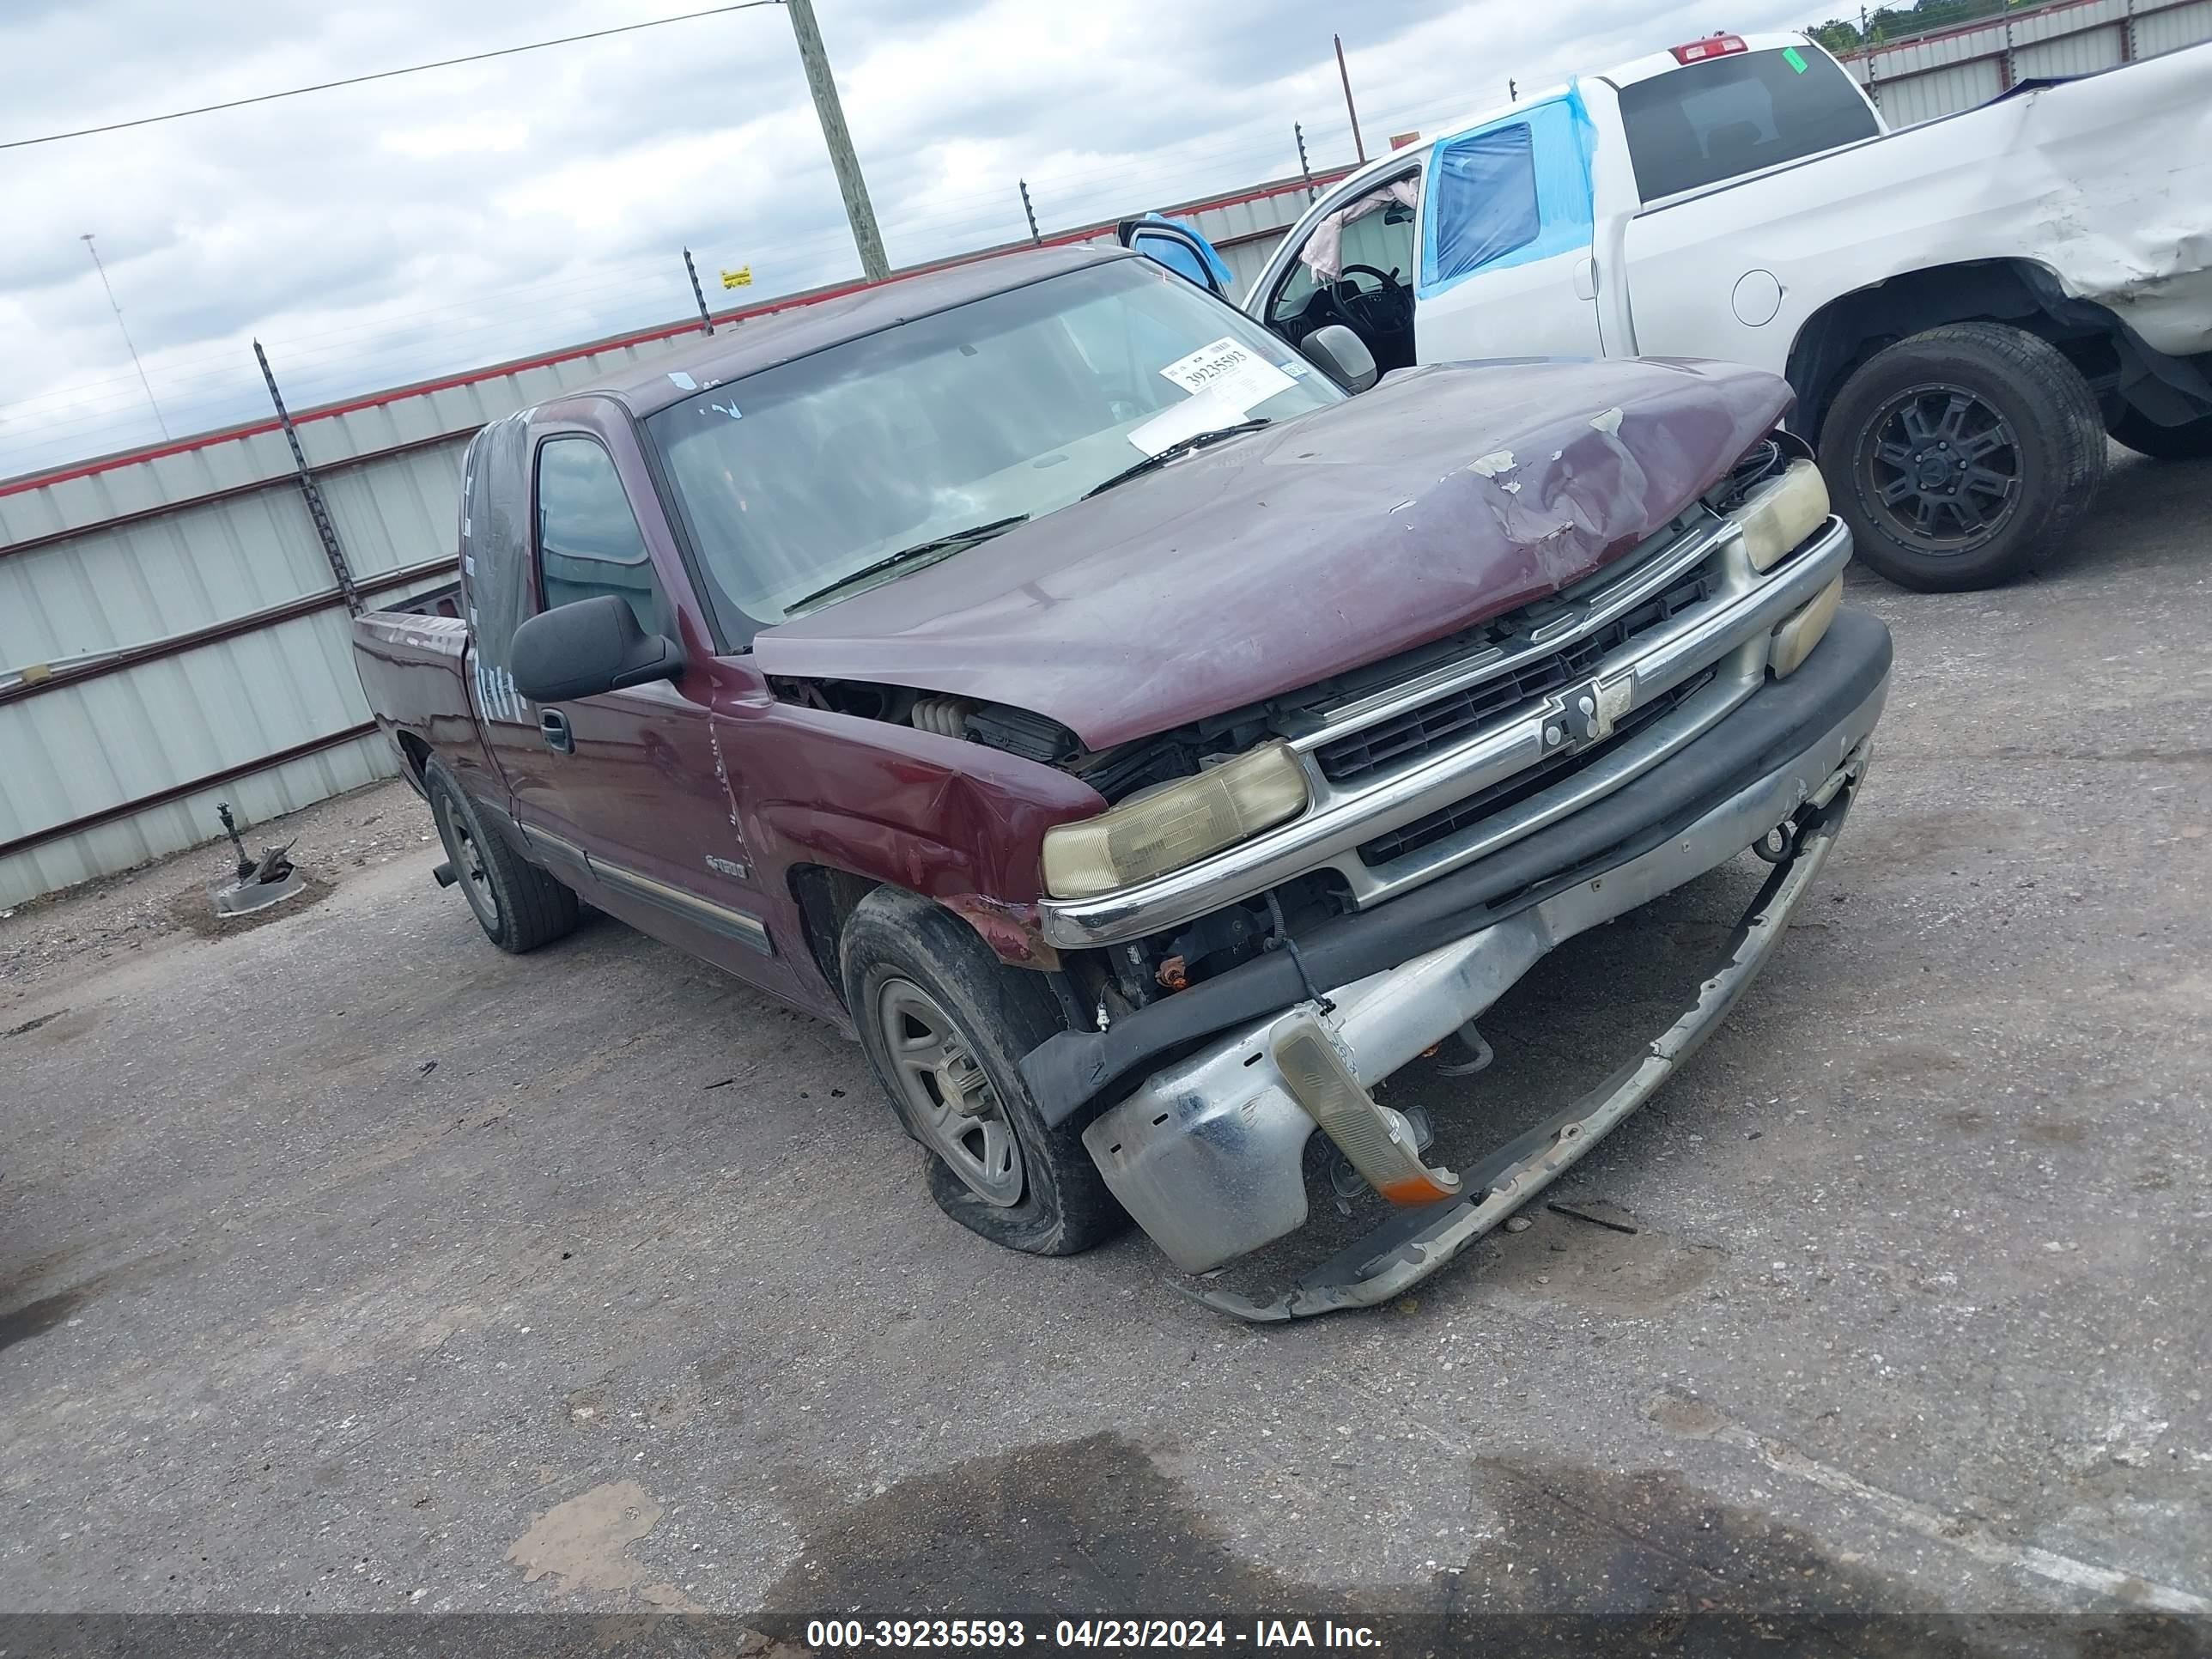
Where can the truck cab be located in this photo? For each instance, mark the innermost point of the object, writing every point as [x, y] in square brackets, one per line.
[1498, 237]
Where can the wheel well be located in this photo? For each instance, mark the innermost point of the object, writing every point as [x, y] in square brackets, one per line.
[416, 753]
[1851, 328]
[827, 898]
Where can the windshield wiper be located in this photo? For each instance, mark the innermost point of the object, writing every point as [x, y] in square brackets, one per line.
[1181, 446]
[951, 542]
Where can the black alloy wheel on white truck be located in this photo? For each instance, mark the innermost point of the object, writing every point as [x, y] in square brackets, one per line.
[1963, 456]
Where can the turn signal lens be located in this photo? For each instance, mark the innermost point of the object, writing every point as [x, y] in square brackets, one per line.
[1782, 514]
[1176, 823]
[1795, 638]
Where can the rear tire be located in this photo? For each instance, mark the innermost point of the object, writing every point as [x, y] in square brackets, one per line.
[518, 905]
[944, 1023]
[2190, 441]
[1962, 456]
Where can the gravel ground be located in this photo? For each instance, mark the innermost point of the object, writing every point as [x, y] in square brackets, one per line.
[349, 1264]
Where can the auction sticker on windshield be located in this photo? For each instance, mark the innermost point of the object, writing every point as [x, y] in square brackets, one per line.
[1227, 381]
[1232, 371]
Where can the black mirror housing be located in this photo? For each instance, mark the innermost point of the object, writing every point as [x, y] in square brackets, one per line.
[593, 645]
[1342, 356]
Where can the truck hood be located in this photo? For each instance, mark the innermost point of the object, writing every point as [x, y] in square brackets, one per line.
[1443, 497]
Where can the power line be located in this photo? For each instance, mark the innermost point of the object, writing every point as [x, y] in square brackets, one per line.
[385, 75]
[115, 306]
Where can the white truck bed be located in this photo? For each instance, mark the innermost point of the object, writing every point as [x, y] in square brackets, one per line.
[2104, 181]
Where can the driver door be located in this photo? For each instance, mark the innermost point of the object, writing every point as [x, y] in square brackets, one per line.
[1507, 266]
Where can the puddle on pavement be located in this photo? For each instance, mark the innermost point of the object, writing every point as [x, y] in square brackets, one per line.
[1095, 1527]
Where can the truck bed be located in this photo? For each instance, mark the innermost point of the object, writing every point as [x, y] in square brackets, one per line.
[2104, 181]
[413, 661]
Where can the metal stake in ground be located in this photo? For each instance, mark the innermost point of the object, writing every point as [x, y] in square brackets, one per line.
[699, 294]
[310, 491]
[260, 882]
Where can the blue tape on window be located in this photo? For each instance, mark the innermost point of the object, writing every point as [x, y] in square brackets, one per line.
[1508, 194]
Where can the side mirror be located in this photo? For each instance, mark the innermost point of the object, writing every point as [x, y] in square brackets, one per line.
[1340, 354]
[593, 645]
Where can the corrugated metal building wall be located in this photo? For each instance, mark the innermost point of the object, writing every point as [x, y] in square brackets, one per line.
[170, 633]
[1947, 70]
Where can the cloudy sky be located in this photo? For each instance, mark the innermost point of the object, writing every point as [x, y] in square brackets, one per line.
[429, 223]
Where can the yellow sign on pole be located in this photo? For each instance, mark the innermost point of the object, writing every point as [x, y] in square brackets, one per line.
[741, 277]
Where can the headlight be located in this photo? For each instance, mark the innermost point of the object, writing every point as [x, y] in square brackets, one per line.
[1794, 641]
[1784, 515]
[1174, 825]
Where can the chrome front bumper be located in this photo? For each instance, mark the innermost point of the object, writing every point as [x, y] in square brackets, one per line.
[1208, 1154]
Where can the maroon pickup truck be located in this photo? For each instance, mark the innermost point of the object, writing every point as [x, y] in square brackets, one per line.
[1142, 742]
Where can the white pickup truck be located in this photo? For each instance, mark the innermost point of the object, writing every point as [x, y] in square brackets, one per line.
[1963, 307]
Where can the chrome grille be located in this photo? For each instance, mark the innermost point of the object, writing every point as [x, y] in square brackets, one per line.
[1510, 791]
[1438, 725]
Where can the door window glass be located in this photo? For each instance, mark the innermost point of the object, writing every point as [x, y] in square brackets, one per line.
[588, 542]
[1512, 193]
[1484, 197]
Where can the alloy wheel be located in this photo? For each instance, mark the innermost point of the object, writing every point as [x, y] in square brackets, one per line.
[949, 1099]
[1942, 467]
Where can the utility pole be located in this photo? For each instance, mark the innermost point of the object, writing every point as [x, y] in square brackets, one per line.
[159, 420]
[1304, 166]
[1344, 75]
[1029, 213]
[706, 323]
[853, 188]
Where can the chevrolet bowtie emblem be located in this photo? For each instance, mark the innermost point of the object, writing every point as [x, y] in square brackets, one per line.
[1584, 714]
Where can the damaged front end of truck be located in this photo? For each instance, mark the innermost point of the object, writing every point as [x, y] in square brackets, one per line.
[1379, 859]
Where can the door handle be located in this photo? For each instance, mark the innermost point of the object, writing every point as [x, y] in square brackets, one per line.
[1586, 279]
[553, 726]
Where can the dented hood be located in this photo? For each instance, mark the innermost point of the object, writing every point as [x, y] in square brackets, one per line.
[1445, 495]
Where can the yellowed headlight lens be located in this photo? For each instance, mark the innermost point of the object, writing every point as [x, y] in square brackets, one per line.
[1782, 514]
[1795, 638]
[1175, 824]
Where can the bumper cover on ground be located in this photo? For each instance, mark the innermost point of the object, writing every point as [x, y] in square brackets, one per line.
[1414, 1243]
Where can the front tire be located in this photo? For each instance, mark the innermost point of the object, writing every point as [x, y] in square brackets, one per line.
[944, 1023]
[1960, 456]
[518, 905]
[2190, 441]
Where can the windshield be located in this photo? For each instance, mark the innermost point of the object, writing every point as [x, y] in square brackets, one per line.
[1010, 406]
